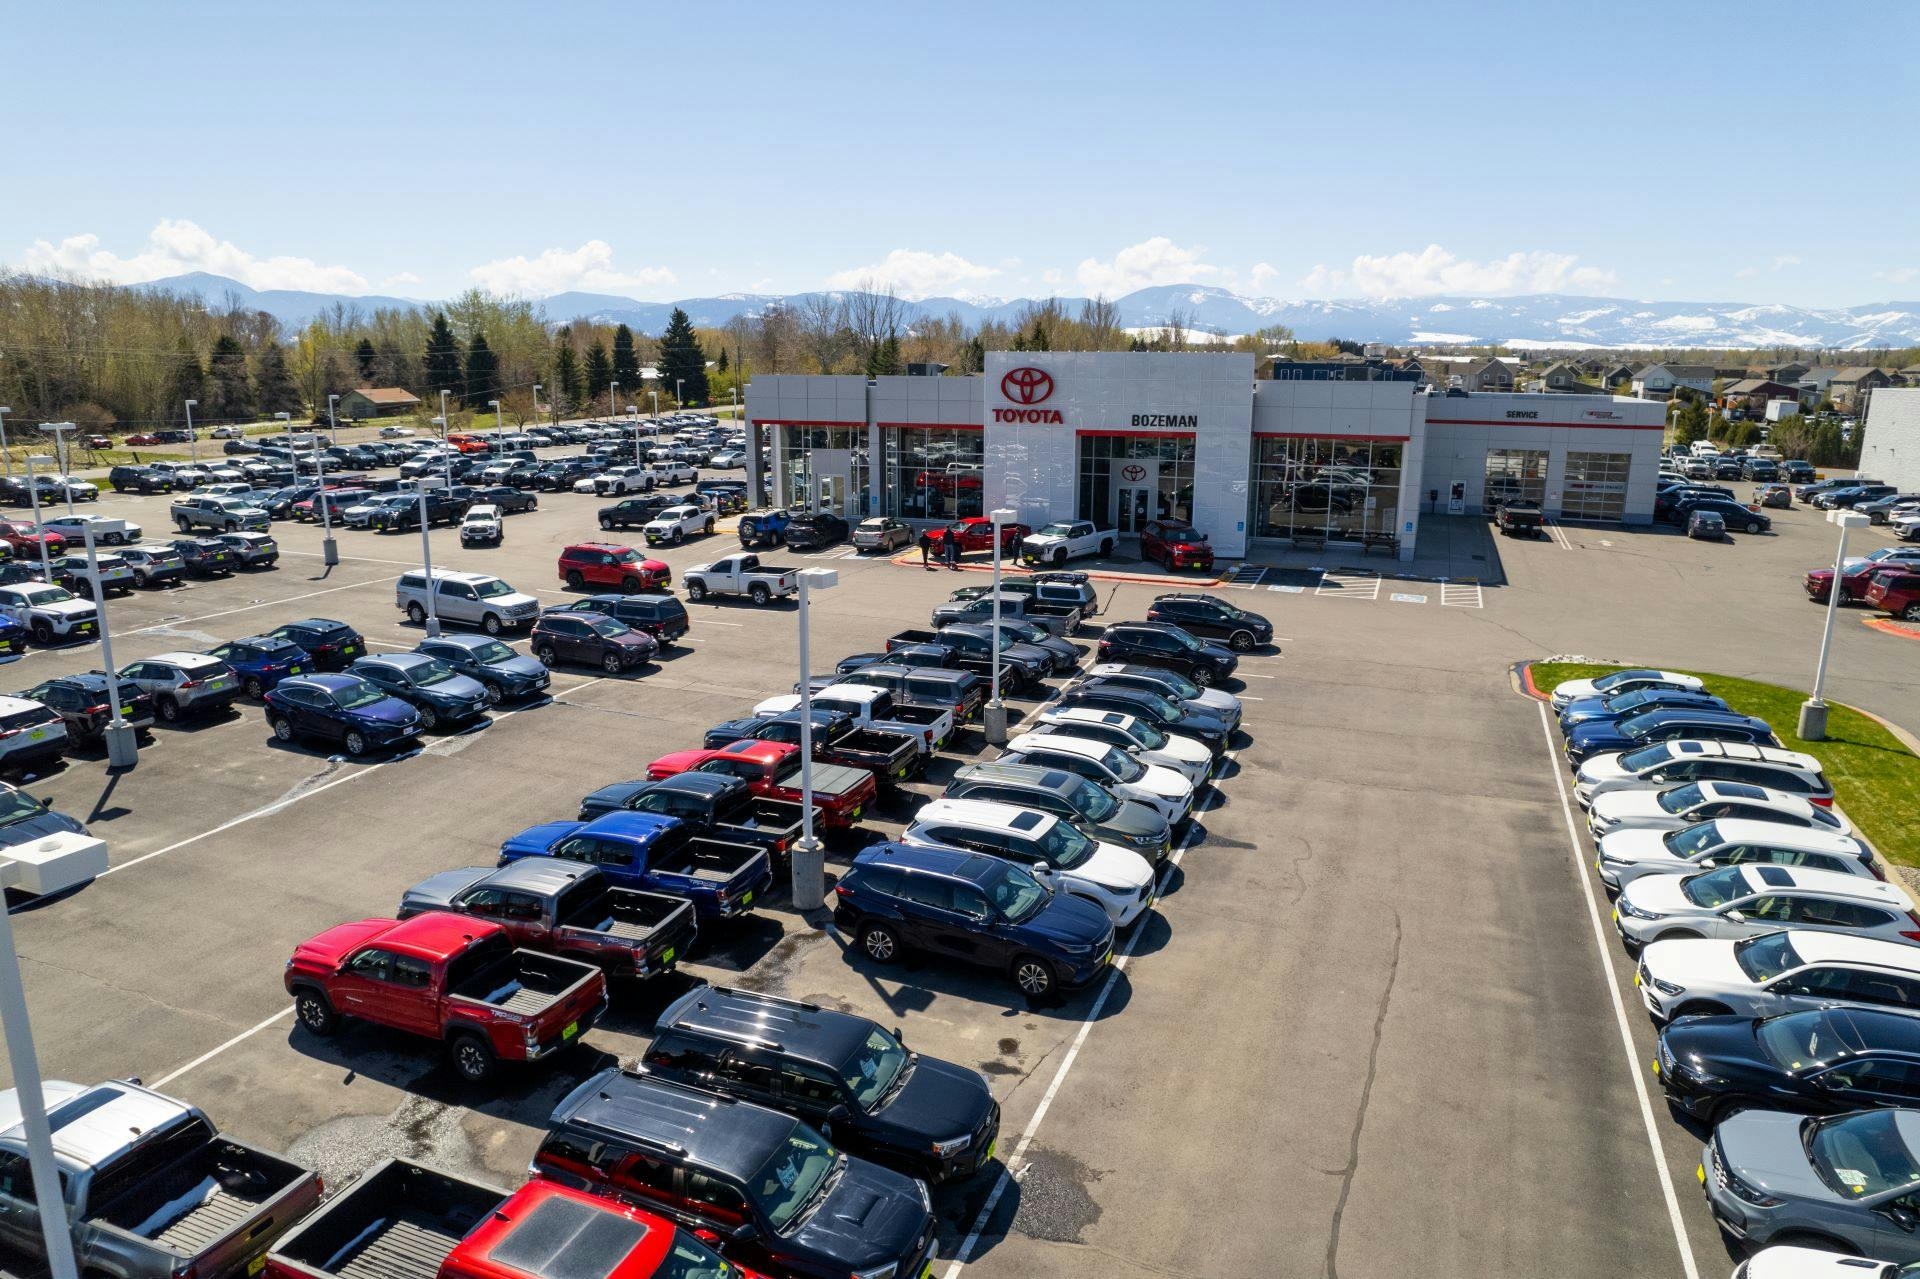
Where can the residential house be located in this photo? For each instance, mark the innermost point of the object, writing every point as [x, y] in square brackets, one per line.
[1485, 373]
[376, 401]
[1788, 373]
[1752, 394]
[1614, 374]
[1852, 388]
[1659, 381]
[1909, 376]
[1563, 378]
[1814, 384]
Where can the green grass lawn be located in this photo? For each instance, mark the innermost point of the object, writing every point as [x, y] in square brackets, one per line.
[1875, 778]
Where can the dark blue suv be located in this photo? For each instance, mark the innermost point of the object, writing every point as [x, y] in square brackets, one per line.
[339, 708]
[977, 909]
[1592, 710]
[262, 661]
[1587, 740]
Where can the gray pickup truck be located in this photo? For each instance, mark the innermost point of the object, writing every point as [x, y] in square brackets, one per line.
[220, 514]
[1057, 620]
[152, 1190]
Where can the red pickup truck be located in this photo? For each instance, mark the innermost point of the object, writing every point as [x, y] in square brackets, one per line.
[25, 540]
[975, 533]
[772, 770]
[446, 977]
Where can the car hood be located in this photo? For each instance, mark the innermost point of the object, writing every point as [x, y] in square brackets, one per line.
[388, 710]
[1721, 1044]
[1215, 703]
[1660, 894]
[1763, 1148]
[1070, 921]
[1600, 768]
[534, 841]
[460, 688]
[676, 762]
[1597, 735]
[1043, 539]
[437, 892]
[64, 607]
[1030, 653]
[1638, 846]
[334, 945]
[1585, 707]
[938, 1102]
[1164, 782]
[614, 796]
[777, 705]
[1631, 805]
[1136, 820]
[1572, 690]
[518, 667]
[872, 1215]
[1693, 962]
[1185, 751]
[1785, 1261]
[1116, 868]
[38, 826]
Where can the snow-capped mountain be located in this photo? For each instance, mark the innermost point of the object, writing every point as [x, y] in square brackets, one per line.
[1532, 320]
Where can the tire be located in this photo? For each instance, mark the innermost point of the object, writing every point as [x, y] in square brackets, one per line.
[1700, 1008]
[429, 718]
[471, 1057]
[1034, 977]
[491, 624]
[169, 709]
[1726, 1108]
[1753, 527]
[182, 523]
[696, 589]
[42, 633]
[1678, 934]
[1060, 558]
[416, 614]
[1911, 612]
[315, 1013]
[606, 523]
[282, 728]
[533, 505]
[610, 663]
[759, 594]
[709, 525]
[1241, 641]
[575, 581]
[254, 690]
[1201, 676]
[494, 694]
[630, 585]
[879, 943]
[231, 526]
[1106, 548]
[355, 743]
[544, 654]
[114, 539]
[679, 536]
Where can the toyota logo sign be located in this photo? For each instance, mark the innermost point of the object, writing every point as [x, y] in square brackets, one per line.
[1133, 473]
[1026, 386]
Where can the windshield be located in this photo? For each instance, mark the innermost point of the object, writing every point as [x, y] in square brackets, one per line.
[1185, 640]
[1016, 894]
[362, 694]
[47, 595]
[492, 653]
[1091, 802]
[432, 671]
[1646, 757]
[492, 589]
[1161, 706]
[628, 556]
[1639, 726]
[606, 627]
[1064, 847]
[1122, 765]
[1681, 798]
[1861, 1154]
[1691, 841]
[1633, 701]
[688, 1258]
[17, 806]
[1618, 678]
[1149, 737]
[872, 1070]
[1716, 887]
[1054, 530]
[1802, 1039]
[1765, 957]
[794, 1175]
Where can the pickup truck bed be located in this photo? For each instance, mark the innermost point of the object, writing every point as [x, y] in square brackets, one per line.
[398, 1222]
[707, 859]
[199, 1201]
[525, 982]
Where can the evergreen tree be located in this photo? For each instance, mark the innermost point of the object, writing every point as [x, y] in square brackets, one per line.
[599, 373]
[683, 365]
[976, 355]
[626, 365]
[566, 391]
[229, 392]
[720, 364]
[885, 360]
[333, 377]
[274, 385]
[189, 383]
[365, 356]
[441, 363]
[483, 371]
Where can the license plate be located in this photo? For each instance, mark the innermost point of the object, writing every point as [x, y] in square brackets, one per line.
[666, 956]
[573, 1028]
[990, 1147]
[926, 1271]
[84, 626]
[37, 734]
[746, 898]
[296, 670]
[258, 1264]
[855, 814]
[1655, 1063]
[1616, 915]
[1108, 957]
[221, 683]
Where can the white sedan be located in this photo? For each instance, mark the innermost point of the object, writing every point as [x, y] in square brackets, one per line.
[1626, 855]
[1622, 682]
[1145, 742]
[1692, 802]
[1739, 901]
[395, 432]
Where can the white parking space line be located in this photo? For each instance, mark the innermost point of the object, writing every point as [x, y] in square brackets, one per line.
[711, 621]
[211, 1053]
[248, 608]
[1619, 1009]
[1353, 586]
[1462, 595]
[1009, 1167]
[1559, 534]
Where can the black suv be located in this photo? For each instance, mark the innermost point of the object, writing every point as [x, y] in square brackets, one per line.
[205, 556]
[1736, 515]
[661, 616]
[559, 475]
[81, 701]
[811, 532]
[767, 1189]
[509, 499]
[636, 512]
[1158, 644]
[1211, 618]
[140, 479]
[846, 1075]
[332, 645]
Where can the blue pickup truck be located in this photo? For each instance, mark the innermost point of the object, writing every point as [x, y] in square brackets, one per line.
[765, 528]
[658, 854]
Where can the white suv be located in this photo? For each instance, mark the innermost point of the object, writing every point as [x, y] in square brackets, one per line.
[1777, 972]
[475, 599]
[49, 612]
[1628, 854]
[1670, 763]
[29, 731]
[1117, 880]
[1191, 759]
[1739, 901]
[1692, 802]
[1162, 789]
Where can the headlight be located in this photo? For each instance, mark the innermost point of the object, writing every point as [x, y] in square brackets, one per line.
[1746, 1193]
[954, 1147]
[1665, 987]
[1631, 911]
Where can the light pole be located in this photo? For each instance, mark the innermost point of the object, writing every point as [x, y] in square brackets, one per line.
[536, 403]
[59, 430]
[613, 393]
[995, 724]
[446, 454]
[733, 400]
[6, 458]
[192, 442]
[499, 418]
[123, 750]
[1813, 711]
[679, 402]
[442, 419]
[809, 856]
[426, 562]
[656, 402]
[333, 422]
[33, 494]
[51, 865]
[329, 549]
[633, 411]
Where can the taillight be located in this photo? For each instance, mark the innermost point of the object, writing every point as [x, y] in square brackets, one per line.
[95, 710]
[841, 890]
[192, 683]
[1827, 802]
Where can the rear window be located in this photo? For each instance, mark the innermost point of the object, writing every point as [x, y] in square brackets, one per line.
[16, 720]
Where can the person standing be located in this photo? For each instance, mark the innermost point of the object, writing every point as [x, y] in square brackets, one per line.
[926, 550]
[952, 548]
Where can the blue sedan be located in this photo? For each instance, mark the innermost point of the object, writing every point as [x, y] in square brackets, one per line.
[1588, 710]
[340, 708]
[1648, 727]
[442, 695]
[262, 661]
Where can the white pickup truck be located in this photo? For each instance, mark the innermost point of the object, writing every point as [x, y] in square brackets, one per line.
[107, 531]
[1064, 540]
[676, 524]
[740, 575]
[929, 726]
[617, 480]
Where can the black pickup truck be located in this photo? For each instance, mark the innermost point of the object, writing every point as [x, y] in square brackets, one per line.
[891, 757]
[566, 909]
[1021, 665]
[724, 807]
[1520, 517]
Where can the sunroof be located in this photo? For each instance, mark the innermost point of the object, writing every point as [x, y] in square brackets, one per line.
[1776, 877]
[566, 1239]
[1027, 820]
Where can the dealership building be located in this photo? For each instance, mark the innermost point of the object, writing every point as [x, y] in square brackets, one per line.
[1122, 438]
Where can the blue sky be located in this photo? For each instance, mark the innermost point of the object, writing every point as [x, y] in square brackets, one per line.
[996, 149]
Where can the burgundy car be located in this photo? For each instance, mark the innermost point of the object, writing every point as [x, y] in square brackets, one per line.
[590, 639]
[1853, 582]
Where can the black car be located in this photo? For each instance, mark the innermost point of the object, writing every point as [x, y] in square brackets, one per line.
[332, 645]
[768, 1188]
[510, 500]
[1761, 470]
[504, 673]
[1736, 515]
[19, 572]
[1726, 467]
[846, 1075]
[1797, 471]
[234, 448]
[205, 556]
[811, 532]
[1160, 644]
[636, 512]
[558, 475]
[661, 616]
[1822, 1061]
[1141, 703]
[1210, 618]
[82, 702]
[140, 479]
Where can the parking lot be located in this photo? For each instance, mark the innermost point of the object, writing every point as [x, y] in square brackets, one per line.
[1365, 1032]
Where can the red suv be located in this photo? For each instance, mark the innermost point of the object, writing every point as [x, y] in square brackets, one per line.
[1175, 543]
[1896, 593]
[1853, 582]
[976, 534]
[608, 564]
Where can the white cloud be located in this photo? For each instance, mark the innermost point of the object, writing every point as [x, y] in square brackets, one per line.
[1899, 274]
[1746, 273]
[588, 268]
[916, 273]
[177, 246]
[1264, 274]
[1435, 270]
[1786, 260]
[400, 280]
[1154, 261]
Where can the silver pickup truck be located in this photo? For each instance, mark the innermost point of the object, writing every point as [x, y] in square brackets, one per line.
[221, 514]
[152, 1190]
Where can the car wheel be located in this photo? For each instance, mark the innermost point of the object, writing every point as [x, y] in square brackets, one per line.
[1678, 934]
[533, 504]
[315, 1012]
[1240, 641]
[254, 690]
[544, 654]
[471, 1058]
[494, 694]
[1753, 526]
[606, 523]
[42, 633]
[1106, 548]
[1911, 612]
[1059, 557]
[679, 536]
[169, 710]
[696, 590]
[183, 524]
[630, 585]
[416, 614]
[1034, 977]
[709, 526]
[429, 719]
[1701, 1008]
[1726, 1108]
[880, 943]
[282, 728]
[574, 580]
[610, 663]
[355, 742]
[491, 624]
[114, 539]
[1201, 676]
[759, 594]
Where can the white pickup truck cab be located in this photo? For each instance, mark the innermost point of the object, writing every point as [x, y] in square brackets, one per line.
[1064, 540]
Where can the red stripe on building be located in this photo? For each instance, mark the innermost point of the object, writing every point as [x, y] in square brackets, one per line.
[1151, 435]
[1596, 426]
[1314, 435]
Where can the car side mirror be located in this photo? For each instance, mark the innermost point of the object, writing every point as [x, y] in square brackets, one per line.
[1737, 916]
[839, 1112]
[744, 1231]
[1039, 869]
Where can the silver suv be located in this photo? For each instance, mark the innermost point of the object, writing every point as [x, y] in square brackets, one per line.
[185, 684]
[473, 599]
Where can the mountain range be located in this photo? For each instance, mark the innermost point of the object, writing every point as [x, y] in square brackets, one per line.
[1529, 320]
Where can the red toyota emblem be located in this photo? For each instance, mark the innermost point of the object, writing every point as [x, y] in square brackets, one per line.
[1026, 386]
[1133, 471]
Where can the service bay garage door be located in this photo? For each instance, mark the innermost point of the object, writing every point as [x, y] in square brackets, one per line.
[1596, 486]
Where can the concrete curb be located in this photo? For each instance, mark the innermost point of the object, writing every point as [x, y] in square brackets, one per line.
[911, 559]
[1888, 626]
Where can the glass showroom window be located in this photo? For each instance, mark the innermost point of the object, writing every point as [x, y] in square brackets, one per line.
[1515, 473]
[1596, 486]
[934, 473]
[1162, 464]
[833, 455]
[1325, 487]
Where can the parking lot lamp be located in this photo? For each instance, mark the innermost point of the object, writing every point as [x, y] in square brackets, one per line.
[633, 412]
[809, 855]
[333, 420]
[656, 402]
[192, 442]
[59, 431]
[51, 865]
[33, 495]
[679, 386]
[1813, 711]
[536, 403]
[123, 750]
[995, 723]
[6, 458]
[613, 395]
[446, 451]
[426, 562]
[499, 417]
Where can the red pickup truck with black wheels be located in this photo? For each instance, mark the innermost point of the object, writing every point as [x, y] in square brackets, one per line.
[975, 533]
[446, 977]
[772, 769]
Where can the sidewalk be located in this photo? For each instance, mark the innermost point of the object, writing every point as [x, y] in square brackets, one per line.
[1454, 548]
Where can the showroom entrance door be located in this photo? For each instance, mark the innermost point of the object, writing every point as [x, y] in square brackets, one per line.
[828, 478]
[1136, 489]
